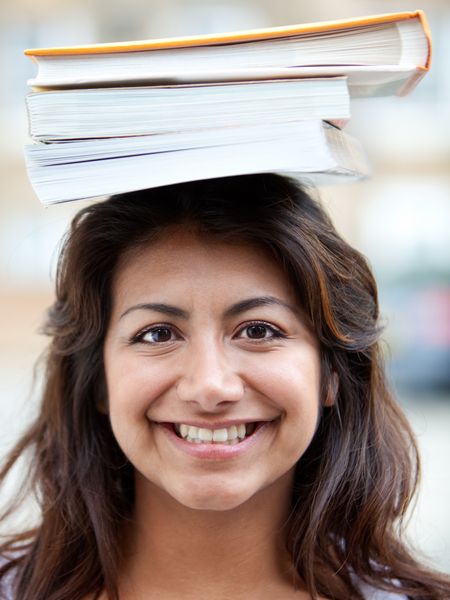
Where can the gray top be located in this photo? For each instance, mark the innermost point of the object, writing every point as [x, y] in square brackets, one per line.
[371, 593]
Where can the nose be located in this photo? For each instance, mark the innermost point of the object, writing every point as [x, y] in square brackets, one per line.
[208, 378]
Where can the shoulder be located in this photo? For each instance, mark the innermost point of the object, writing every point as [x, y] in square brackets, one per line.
[371, 593]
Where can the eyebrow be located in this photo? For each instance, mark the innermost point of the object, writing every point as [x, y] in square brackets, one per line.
[232, 311]
[166, 309]
[250, 303]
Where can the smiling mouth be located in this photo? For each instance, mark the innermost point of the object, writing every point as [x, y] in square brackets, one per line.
[232, 435]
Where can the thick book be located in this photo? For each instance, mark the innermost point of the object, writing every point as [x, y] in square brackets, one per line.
[311, 150]
[123, 111]
[380, 54]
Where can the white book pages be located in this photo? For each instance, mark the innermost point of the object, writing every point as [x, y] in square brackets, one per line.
[380, 80]
[114, 112]
[309, 148]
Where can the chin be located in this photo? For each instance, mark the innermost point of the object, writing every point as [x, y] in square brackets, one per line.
[213, 498]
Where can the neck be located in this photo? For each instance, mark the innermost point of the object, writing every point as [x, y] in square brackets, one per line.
[174, 551]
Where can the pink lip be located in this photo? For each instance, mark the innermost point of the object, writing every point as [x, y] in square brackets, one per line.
[215, 451]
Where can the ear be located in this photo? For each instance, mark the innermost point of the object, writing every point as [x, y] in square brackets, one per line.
[332, 390]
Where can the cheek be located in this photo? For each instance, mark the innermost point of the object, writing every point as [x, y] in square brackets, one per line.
[290, 379]
[134, 383]
[291, 383]
[132, 387]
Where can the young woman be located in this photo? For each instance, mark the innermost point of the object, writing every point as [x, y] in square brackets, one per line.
[215, 420]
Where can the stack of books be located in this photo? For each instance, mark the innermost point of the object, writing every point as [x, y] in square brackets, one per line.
[112, 118]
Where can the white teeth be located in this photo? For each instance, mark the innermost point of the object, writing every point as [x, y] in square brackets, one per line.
[220, 435]
[232, 432]
[241, 431]
[192, 432]
[230, 435]
[206, 435]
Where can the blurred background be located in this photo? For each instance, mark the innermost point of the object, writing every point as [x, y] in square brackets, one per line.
[400, 219]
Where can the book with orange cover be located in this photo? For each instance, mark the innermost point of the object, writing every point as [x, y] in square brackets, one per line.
[381, 54]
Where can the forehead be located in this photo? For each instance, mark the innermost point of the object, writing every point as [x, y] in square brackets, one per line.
[181, 258]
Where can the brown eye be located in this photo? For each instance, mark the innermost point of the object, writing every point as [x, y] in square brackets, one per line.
[257, 332]
[156, 335]
[260, 331]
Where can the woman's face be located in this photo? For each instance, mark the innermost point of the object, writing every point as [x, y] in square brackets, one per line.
[212, 375]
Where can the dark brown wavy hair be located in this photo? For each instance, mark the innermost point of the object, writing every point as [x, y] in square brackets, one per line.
[352, 486]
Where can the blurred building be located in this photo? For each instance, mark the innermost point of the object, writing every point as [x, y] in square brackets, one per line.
[400, 219]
